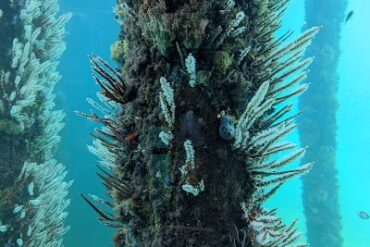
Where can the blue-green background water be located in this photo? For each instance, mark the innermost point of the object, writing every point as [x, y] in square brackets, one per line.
[93, 29]
[354, 125]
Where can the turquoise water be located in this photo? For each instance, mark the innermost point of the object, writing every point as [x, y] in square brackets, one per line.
[92, 30]
[353, 135]
[353, 126]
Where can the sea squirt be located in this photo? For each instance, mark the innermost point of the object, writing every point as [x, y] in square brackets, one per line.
[227, 129]
[190, 128]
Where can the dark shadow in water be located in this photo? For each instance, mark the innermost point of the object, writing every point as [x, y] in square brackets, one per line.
[318, 125]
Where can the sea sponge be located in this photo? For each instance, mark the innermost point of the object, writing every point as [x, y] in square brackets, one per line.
[203, 77]
[227, 129]
[157, 31]
[10, 127]
[222, 61]
[118, 49]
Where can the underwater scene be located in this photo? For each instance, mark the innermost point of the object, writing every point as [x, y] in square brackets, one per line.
[184, 123]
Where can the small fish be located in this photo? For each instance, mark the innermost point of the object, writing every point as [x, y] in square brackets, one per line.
[363, 215]
[349, 16]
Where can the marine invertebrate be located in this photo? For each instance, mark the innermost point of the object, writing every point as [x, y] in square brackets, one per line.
[118, 49]
[130, 137]
[173, 187]
[33, 188]
[190, 64]
[222, 61]
[227, 129]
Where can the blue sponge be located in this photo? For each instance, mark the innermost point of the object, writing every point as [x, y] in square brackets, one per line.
[227, 129]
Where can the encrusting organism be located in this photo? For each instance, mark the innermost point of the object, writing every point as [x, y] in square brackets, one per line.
[33, 187]
[207, 86]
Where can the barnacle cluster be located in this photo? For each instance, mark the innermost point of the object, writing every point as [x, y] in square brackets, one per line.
[188, 61]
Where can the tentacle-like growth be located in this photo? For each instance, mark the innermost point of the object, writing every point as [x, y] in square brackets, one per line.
[33, 188]
[197, 117]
